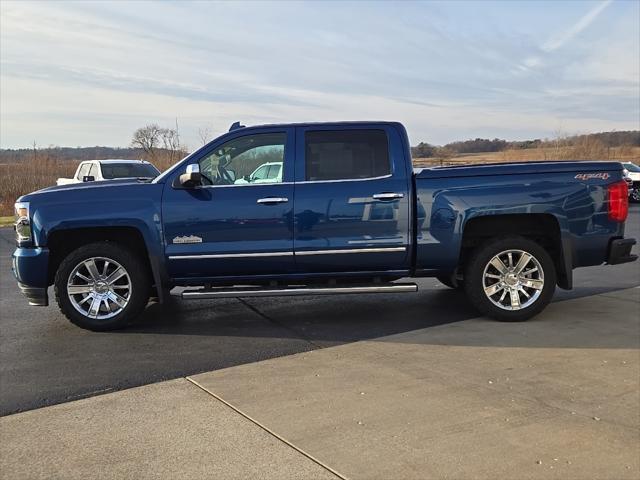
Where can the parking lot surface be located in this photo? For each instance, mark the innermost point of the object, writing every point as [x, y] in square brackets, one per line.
[44, 360]
[558, 397]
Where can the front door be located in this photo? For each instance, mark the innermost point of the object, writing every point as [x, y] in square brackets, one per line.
[351, 200]
[236, 223]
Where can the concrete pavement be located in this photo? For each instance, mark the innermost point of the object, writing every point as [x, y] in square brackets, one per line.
[166, 430]
[556, 397]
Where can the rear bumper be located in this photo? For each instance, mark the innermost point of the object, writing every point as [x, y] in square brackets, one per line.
[620, 251]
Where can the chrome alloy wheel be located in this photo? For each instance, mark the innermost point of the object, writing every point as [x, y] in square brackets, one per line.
[99, 288]
[513, 280]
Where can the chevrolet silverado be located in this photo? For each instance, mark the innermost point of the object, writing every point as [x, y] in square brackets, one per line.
[346, 213]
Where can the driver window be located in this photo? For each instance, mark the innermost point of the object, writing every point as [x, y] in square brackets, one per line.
[245, 160]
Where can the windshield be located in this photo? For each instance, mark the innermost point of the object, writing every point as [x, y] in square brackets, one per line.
[128, 170]
[632, 167]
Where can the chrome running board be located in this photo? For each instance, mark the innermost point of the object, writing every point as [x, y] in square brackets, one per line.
[296, 291]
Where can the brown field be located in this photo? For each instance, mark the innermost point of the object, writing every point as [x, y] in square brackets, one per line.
[617, 154]
[27, 176]
[19, 178]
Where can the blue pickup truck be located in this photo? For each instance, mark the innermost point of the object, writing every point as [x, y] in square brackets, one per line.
[343, 212]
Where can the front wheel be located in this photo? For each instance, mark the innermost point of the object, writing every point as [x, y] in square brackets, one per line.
[634, 194]
[510, 279]
[102, 286]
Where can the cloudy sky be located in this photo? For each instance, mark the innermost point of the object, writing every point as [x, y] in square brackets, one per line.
[89, 73]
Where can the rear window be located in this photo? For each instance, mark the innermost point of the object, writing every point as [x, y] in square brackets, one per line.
[346, 154]
[126, 170]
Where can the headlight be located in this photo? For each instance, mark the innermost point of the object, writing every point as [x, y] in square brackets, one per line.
[23, 222]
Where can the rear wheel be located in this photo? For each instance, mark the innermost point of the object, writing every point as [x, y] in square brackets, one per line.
[102, 286]
[510, 279]
[634, 194]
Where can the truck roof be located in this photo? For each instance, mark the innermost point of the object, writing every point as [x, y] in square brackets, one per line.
[355, 123]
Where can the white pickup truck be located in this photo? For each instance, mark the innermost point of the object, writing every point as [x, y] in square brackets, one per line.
[96, 170]
[632, 173]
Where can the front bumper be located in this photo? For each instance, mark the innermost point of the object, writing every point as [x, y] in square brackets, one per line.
[31, 268]
[37, 296]
[620, 251]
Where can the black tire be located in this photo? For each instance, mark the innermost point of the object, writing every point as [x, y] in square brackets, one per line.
[448, 281]
[136, 269]
[474, 281]
[634, 194]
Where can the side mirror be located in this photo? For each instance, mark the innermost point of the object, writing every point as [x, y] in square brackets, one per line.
[192, 177]
[88, 178]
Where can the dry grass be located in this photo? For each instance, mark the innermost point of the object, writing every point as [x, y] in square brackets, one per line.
[27, 176]
[16, 179]
[578, 152]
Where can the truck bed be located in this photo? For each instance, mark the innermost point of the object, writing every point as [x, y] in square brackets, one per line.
[568, 196]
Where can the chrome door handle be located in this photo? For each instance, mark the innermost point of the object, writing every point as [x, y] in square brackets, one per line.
[269, 200]
[388, 196]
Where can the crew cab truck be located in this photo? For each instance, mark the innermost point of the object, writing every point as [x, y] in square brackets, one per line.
[349, 214]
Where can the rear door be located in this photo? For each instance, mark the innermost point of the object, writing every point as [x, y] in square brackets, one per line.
[352, 199]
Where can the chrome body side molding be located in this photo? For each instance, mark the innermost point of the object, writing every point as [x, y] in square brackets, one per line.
[288, 254]
[230, 255]
[353, 250]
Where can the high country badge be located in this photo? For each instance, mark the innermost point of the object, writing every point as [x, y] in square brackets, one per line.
[187, 239]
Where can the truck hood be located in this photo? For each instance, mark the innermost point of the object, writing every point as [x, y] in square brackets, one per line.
[88, 190]
[101, 183]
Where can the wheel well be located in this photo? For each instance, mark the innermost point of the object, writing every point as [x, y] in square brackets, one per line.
[539, 227]
[63, 242]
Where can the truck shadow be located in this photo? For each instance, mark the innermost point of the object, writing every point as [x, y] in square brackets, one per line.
[327, 321]
[318, 320]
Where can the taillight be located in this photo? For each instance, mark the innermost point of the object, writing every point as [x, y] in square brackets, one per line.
[618, 201]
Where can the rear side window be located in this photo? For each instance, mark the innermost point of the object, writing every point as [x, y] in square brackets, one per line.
[346, 154]
[128, 170]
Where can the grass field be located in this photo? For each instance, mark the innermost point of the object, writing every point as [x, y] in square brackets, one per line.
[617, 154]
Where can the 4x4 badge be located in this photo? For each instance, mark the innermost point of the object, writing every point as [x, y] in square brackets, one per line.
[591, 176]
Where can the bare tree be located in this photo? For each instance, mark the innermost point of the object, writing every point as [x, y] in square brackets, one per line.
[147, 138]
[171, 143]
[205, 134]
